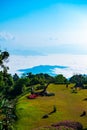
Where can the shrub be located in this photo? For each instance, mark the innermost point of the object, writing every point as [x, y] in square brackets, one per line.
[53, 128]
[45, 116]
[65, 125]
[50, 94]
[74, 90]
[40, 87]
[32, 96]
[69, 124]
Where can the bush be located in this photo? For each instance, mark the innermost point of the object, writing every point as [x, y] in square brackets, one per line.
[53, 128]
[50, 94]
[74, 90]
[40, 87]
[32, 96]
[65, 125]
[45, 116]
[70, 124]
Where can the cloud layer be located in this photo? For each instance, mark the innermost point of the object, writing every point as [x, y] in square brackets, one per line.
[76, 63]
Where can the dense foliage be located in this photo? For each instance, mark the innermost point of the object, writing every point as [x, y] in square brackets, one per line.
[60, 79]
[79, 80]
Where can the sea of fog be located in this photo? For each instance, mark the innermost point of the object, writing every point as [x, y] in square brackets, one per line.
[76, 64]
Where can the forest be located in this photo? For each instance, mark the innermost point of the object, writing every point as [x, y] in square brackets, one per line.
[12, 87]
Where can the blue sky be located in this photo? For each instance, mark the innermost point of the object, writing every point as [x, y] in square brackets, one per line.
[42, 27]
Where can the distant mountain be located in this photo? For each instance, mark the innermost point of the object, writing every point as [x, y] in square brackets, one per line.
[42, 69]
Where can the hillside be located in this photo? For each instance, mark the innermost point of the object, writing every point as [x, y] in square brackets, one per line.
[48, 69]
[69, 107]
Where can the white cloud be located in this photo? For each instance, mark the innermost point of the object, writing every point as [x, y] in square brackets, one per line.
[68, 72]
[6, 36]
[76, 63]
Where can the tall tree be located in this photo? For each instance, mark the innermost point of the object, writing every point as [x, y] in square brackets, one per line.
[60, 79]
[6, 81]
[78, 79]
[3, 58]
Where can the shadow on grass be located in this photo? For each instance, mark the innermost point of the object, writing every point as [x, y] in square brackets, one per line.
[85, 129]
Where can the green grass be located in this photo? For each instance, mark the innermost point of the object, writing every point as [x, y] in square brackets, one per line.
[69, 107]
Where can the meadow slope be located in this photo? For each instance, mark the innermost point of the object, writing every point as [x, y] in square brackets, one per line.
[69, 107]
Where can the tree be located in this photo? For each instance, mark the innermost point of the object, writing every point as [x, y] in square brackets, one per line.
[84, 79]
[6, 80]
[19, 86]
[78, 79]
[15, 77]
[60, 79]
[40, 78]
[6, 84]
[3, 58]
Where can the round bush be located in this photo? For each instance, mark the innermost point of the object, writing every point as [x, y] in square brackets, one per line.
[50, 94]
[32, 96]
[69, 124]
[53, 128]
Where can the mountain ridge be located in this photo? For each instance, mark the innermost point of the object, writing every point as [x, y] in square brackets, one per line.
[49, 69]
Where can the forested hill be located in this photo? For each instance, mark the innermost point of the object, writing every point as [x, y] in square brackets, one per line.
[49, 69]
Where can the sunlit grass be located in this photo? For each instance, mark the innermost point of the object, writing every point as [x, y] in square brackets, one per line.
[69, 107]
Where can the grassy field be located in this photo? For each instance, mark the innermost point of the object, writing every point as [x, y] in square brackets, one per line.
[69, 107]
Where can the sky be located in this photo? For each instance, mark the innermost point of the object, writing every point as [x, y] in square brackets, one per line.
[43, 28]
